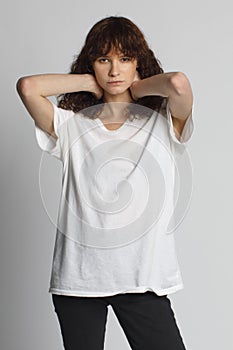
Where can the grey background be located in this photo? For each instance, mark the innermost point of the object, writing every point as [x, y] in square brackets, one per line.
[192, 37]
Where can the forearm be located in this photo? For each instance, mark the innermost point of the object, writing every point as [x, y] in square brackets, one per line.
[160, 84]
[54, 84]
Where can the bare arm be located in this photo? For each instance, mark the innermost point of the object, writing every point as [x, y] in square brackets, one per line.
[173, 85]
[34, 89]
[159, 84]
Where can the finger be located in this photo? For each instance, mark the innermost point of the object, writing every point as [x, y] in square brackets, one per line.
[99, 95]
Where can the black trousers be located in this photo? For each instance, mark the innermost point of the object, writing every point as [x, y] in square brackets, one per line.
[147, 320]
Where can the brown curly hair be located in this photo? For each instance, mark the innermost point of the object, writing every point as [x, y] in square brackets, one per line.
[122, 34]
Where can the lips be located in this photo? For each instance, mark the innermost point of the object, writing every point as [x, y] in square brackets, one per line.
[115, 82]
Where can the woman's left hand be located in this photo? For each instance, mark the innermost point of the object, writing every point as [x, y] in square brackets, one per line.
[132, 86]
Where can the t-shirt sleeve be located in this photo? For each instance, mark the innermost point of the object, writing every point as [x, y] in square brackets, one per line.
[48, 143]
[187, 129]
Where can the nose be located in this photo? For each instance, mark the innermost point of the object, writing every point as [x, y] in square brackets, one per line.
[114, 68]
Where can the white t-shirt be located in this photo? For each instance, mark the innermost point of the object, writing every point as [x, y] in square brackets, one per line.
[116, 203]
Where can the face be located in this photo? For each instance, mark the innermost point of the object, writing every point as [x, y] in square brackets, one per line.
[115, 73]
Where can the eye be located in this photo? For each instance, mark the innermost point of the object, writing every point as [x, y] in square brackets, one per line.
[102, 59]
[126, 59]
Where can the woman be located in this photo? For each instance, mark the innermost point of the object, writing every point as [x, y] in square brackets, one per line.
[118, 113]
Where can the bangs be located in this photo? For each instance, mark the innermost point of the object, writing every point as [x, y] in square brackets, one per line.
[118, 45]
[121, 40]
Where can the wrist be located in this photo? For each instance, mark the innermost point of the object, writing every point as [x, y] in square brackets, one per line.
[88, 82]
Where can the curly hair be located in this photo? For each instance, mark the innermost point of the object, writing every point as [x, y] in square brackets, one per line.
[121, 34]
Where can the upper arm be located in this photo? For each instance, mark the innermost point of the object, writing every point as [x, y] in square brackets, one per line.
[180, 131]
[39, 107]
[180, 102]
[178, 125]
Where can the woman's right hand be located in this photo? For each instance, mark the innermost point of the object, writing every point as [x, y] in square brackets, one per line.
[94, 87]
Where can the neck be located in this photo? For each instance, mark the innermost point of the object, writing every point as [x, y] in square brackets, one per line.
[114, 111]
[115, 105]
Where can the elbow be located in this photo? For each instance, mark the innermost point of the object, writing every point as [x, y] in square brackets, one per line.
[24, 86]
[179, 82]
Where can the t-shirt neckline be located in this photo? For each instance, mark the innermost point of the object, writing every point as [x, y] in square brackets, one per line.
[103, 127]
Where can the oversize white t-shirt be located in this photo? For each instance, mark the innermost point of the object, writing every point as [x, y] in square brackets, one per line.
[116, 204]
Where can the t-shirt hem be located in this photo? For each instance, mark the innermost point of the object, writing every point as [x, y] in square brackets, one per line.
[159, 292]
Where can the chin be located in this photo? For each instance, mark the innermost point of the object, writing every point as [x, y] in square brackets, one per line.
[116, 90]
